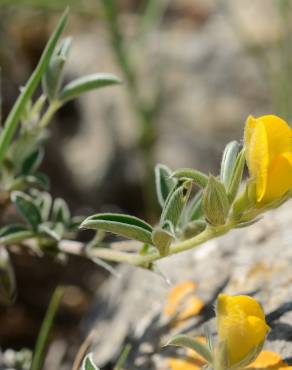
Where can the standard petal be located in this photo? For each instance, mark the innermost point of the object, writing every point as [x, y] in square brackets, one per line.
[279, 179]
[279, 135]
[257, 153]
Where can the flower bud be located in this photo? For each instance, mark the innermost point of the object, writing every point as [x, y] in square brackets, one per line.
[215, 202]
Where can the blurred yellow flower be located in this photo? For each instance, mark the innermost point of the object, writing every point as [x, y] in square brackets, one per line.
[268, 143]
[182, 301]
[241, 325]
[267, 360]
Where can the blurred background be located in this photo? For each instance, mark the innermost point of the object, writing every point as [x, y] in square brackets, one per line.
[192, 71]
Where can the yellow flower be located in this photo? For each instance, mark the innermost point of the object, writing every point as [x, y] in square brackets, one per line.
[241, 326]
[268, 142]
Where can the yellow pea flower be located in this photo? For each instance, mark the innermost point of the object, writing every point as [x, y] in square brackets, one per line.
[268, 143]
[241, 326]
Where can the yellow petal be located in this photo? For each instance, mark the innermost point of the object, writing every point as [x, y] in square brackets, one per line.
[279, 179]
[257, 153]
[279, 135]
[241, 324]
[227, 305]
[268, 360]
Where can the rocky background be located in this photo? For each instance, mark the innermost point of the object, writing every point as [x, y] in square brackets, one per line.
[215, 62]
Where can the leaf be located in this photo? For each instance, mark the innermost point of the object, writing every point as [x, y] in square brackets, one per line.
[162, 238]
[192, 343]
[32, 161]
[27, 208]
[197, 177]
[85, 84]
[124, 225]
[61, 212]
[88, 363]
[164, 182]
[43, 200]
[13, 118]
[228, 162]
[7, 278]
[52, 78]
[194, 210]
[175, 204]
[49, 231]
[12, 229]
[236, 176]
[194, 228]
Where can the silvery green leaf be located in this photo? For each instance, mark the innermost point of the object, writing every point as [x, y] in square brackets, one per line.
[43, 200]
[88, 363]
[164, 182]
[209, 337]
[12, 229]
[228, 162]
[162, 237]
[49, 231]
[27, 208]
[53, 76]
[192, 343]
[61, 212]
[175, 204]
[194, 228]
[215, 202]
[247, 223]
[7, 278]
[128, 226]
[232, 190]
[198, 177]
[87, 83]
[12, 120]
[32, 161]
[194, 209]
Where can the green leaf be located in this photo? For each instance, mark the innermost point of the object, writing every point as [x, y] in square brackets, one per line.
[12, 229]
[45, 330]
[192, 343]
[88, 363]
[236, 176]
[194, 209]
[124, 225]
[164, 183]
[199, 178]
[7, 278]
[32, 162]
[27, 208]
[44, 201]
[228, 162]
[85, 84]
[175, 204]
[216, 204]
[52, 78]
[61, 212]
[49, 231]
[13, 118]
[162, 237]
[194, 228]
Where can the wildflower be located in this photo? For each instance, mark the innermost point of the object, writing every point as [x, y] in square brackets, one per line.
[268, 142]
[241, 328]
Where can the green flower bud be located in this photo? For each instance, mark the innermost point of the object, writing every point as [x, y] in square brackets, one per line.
[215, 202]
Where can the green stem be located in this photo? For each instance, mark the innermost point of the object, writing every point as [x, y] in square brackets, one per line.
[139, 260]
[42, 340]
[46, 118]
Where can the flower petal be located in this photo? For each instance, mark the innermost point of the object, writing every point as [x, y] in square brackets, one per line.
[257, 153]
[279, 135]
[279, 179]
